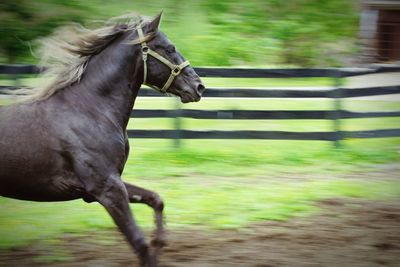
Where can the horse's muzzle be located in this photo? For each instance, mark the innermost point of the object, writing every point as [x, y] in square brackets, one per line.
[200, 89]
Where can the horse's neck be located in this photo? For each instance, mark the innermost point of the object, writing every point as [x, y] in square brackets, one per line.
[109, 91]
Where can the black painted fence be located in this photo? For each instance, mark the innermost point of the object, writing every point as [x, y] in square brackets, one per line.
[336, 94]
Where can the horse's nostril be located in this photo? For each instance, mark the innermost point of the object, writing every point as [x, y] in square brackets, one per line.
[201, 88]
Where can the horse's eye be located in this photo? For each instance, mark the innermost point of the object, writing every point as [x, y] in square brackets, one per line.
[171, 49]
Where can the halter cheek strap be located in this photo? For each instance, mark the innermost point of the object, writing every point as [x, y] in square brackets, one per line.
[175, 69]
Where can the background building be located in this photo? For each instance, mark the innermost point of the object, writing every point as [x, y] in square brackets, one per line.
[380, 31]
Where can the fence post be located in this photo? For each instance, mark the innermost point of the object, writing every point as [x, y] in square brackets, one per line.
[15, 78]
[177, 123]
[337, 108]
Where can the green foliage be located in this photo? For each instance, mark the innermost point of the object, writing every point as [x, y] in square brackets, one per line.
[208, 32]
[303, 31]
[22, 21]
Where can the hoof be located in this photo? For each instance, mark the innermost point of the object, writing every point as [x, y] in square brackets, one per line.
[158, 242]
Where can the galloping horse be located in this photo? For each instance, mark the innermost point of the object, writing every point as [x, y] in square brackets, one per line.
[69, 140]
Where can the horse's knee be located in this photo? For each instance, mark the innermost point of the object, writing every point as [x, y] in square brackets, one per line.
[156, 202]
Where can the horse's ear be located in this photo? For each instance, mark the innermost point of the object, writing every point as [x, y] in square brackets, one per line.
[155, 23]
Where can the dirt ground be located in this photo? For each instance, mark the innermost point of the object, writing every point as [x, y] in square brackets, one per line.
[346, 233]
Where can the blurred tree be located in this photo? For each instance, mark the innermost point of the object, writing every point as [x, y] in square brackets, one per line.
[209, 32]
[304, 30]
[25, 20]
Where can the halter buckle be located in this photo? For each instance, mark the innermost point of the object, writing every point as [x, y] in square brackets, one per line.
[176, 70]
[145, 49]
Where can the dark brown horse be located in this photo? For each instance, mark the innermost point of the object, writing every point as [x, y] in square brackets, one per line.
[69, 140]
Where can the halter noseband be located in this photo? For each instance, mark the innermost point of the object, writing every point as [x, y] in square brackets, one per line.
[175, 69]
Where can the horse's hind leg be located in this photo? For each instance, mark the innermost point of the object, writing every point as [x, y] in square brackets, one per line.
[114, 198]
[140, 195]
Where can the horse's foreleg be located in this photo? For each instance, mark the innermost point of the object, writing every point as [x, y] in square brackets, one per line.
[114, 197]
[140, 195]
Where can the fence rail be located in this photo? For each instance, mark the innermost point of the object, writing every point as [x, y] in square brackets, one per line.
[281, 135]
[258, 114]
[246, 72]
[288, 93]
[336, 93]
[277, 93]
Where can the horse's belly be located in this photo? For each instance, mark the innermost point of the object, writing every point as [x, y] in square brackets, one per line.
[31, 168]
[42, 189]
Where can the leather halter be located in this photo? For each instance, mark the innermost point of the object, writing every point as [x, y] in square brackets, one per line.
[175, 69]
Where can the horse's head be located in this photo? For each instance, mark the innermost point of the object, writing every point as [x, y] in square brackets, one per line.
[165, 69]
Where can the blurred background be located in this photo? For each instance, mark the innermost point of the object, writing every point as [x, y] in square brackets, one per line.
[210, 33]
[238, 202]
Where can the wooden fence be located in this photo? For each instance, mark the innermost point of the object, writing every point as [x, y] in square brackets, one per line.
[336, 94]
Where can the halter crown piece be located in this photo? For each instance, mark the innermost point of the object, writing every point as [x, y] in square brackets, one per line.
[175, 69]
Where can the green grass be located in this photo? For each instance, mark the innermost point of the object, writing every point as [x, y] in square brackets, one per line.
[268, 125]
[226, 183]
[267, 82]
[218, 184]
[256, 158]
[208, 202]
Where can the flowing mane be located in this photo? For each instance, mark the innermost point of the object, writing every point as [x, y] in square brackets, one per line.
[65, 54]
